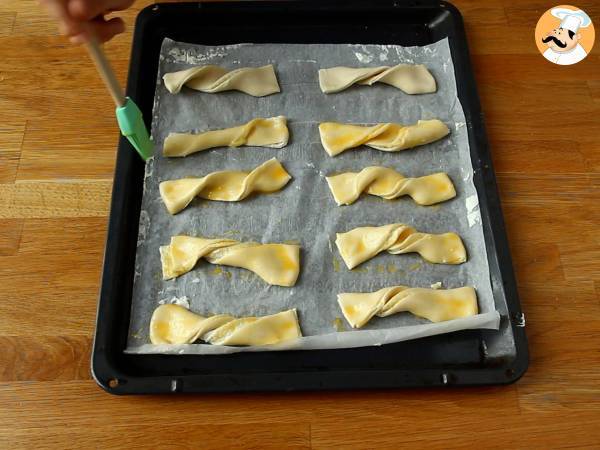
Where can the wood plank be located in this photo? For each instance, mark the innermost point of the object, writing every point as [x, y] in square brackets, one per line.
[265, 435]
[492, 14]
[32, 19]
[540, 189]
[542, 245]
[37, 406]
[65, 65]
[550, 302]
[500, 39]
[538, 157]
[594, 86]
[573, 96]
[581, 261]
[528, 68]
[64, 68]
[49, 152]
[88, 198]
[536, 262]
[441, 413]
[56, 236]
[7, 22]
[529, 13]
[43, 358]
[10, 236]
[57, 142]
[12, 134]
[442, 432]
[554, 359]
[541, 226]
[556, 351]
[68, 294]
[547, 125]
[58, 266]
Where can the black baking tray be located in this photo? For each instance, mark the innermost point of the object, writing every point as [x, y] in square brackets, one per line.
[470, 357]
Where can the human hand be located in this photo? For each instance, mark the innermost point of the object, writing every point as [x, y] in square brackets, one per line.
[79, 18]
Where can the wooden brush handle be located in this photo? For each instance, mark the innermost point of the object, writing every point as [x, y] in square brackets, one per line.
[104, 69]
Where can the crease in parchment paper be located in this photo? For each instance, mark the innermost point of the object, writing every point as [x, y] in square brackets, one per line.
[305, 210]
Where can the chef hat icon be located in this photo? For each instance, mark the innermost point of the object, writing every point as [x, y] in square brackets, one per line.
[571, 19]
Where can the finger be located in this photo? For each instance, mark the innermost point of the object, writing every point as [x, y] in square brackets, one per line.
[87, 9]
[103, 30]
[58, 9]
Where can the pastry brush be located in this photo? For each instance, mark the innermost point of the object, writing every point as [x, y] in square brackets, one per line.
[129, 115]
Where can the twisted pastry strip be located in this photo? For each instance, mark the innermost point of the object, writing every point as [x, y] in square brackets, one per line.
[277, 264]
[227, 186]
[410, 78]
[361, 244]
[174, 324]
[436, 305]
[271, 132]
[388, 137]
[256, 81]
[389, 184]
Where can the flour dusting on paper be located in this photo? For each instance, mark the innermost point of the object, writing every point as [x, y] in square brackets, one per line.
[180, 301]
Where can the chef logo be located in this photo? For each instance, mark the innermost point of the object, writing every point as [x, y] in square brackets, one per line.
[564, 35]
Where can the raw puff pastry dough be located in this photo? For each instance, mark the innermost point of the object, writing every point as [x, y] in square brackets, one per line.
[227, 186]
[389, 184]
[256, 81]
[271, 132]
[361, 244]
[410, 78]
[436, 305]
[388, 137]
[277, 264]
[174, 324]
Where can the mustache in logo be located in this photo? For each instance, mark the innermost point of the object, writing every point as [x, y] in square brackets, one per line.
[556, 41]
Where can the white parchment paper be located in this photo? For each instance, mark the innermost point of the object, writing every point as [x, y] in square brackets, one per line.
[304, 211]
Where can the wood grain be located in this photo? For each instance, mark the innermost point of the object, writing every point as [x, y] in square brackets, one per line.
[39, 199]
[262, 435]
[11, 136]
[45, 358]
[10, 236]
[50, 286]
[57, 149]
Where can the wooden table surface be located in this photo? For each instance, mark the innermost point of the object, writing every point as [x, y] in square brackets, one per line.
[57, 150]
